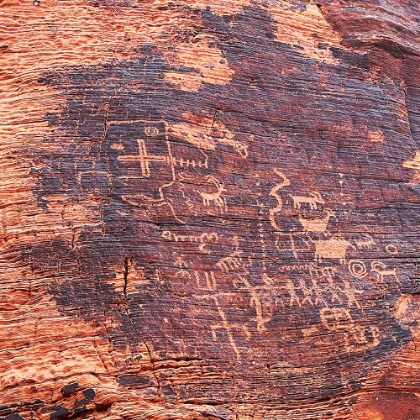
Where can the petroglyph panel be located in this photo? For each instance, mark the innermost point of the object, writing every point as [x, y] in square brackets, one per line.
[139, 157]
[235, 254]
[209, 220]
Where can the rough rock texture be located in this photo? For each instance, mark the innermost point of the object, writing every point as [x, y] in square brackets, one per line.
[210, 211]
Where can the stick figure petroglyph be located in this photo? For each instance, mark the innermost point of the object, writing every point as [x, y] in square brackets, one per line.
[235, 264]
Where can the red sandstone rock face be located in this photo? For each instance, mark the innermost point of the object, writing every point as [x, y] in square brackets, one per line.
[210, 211]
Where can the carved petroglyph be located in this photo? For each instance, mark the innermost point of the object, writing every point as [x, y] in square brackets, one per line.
[215, 197]
[357, 268]
[391, 249]
[350, 291]
[312, 269]
[302, 245]
[206, 132]
[355, 337]
[235, 264]
[297, 267]
[366, 243]
[313, 201]
[335, 319]
[274, 193]
[316, 271]
[206, 280]
[334, 248]
[139, 156]
[316, 225]
[324, 249]
[228, 327]
[181, 263]
[144, 158]
[307, 291]
[151, 131]
[204, 240]
[149, 162]
[295, 249]
[263, 245]
[381, 271]
[231, 262]
[322, 288]
[290, 287]
[239, 147]
[194, 163]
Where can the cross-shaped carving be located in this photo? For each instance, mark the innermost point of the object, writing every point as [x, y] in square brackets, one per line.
[144, 158]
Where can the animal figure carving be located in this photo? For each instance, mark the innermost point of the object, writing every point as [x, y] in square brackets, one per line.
[215, 197]
[381, 271]
[367, 243]
[204, 239]
[315, 199]
[334, 248]
[274, 194]
[316, 225]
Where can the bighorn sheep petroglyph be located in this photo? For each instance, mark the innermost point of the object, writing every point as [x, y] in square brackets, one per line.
[366, 243]
[315, 199]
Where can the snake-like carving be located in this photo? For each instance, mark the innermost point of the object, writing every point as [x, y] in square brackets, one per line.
[274, 194]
